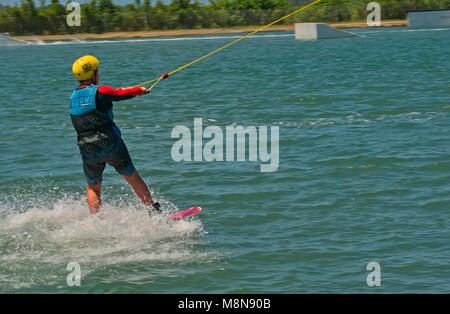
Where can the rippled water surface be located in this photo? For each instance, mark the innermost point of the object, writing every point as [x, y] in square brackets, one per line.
[363, 175]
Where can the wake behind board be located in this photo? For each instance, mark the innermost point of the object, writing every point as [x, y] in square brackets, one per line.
[190, 212]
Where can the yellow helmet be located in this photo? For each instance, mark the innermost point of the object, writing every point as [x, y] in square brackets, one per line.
[83, 69]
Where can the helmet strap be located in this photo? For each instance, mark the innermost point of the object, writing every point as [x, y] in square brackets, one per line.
[94, 77]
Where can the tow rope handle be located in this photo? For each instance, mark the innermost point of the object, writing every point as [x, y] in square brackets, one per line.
[162, 77]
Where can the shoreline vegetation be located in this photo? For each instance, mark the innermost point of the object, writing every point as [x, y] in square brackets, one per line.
[188, 32]
[107, 19]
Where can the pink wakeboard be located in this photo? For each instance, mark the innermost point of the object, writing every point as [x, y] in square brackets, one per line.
[190, 212]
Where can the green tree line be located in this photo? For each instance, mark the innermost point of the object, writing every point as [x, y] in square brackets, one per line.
[99, 16]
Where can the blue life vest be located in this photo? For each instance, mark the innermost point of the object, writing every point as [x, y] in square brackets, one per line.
[95, 129]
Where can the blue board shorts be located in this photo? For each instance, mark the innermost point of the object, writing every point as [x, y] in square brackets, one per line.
[117, 157]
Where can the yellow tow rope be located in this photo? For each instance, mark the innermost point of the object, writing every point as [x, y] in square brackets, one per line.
[166, 75]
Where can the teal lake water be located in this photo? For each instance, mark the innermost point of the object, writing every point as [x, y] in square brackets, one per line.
[364, 171]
